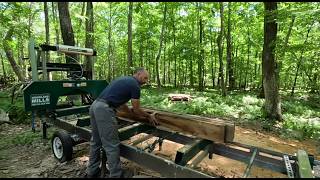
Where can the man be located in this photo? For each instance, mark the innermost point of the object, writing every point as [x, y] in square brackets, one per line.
[104, 124]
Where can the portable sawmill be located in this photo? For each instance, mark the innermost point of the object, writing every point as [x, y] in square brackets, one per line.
[201, 137]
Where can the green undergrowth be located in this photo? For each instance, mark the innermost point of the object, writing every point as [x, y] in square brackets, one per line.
[301, 116]
[14, 108]
[26, 137]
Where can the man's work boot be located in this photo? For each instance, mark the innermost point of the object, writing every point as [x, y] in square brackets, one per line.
[97, 175]
[126, 173]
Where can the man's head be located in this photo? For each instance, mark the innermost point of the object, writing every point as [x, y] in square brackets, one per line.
[141, 75]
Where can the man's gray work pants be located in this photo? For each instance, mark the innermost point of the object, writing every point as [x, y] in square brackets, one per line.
[104, 134]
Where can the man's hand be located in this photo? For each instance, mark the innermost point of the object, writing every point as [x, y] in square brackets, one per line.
[153, 120]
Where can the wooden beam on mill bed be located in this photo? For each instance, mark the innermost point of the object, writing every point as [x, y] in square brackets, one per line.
[213, 129]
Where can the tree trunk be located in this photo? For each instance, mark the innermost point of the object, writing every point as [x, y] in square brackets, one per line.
[89, 39]
[247, 68]
[164, 61]
[169, 70]
[174, 52]
[80, 23]
[161, 41]
[57, 33]
[255, 71]
[66, 30]
[3, 68]
[191, 61]
[141, 52]
[179, 71]
[240, 68]
[24, 69]
[220, 49]
[285, 45]
[269, 65]
[31, 15]
[300, 61]
[212, 59]
[200, 60]
[46, 21]
[229, 52]
[287, 38]
[55, 23]
[9, 52]
[109, 45]
[130, 64]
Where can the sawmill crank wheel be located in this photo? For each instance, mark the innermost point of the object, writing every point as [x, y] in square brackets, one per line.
[61, 144]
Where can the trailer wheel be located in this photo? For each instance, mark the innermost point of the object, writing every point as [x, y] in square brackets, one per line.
[61, 144]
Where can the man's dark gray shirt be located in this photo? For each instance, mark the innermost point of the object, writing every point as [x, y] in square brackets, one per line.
[121, 90]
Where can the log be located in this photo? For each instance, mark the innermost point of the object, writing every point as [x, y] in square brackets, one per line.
[213, 129]
[179, 97]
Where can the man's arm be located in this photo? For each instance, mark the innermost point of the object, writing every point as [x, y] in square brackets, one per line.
[125, 108]
[138, 111]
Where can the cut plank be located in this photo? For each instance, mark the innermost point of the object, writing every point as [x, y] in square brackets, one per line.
[206, 128]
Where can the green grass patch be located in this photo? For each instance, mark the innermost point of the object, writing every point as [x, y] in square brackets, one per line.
[27, 137]
[23, 138]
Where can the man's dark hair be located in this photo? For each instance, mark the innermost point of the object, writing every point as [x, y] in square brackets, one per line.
[139, 69]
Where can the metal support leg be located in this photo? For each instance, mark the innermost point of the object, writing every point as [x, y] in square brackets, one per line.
[188, 151]
[247, 171]
[304, 166]
[44, 130]
[33, 122]
[288, 166]
[200, 157]
[160, 144]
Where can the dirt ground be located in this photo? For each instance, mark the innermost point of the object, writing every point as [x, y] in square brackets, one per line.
[37, 160]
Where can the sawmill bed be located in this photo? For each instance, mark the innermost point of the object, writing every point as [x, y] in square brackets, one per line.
[191, 150]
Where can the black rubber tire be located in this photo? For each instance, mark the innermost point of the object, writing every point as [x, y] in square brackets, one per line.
[67, 145]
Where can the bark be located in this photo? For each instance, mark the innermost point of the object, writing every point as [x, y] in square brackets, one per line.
[269, 65]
